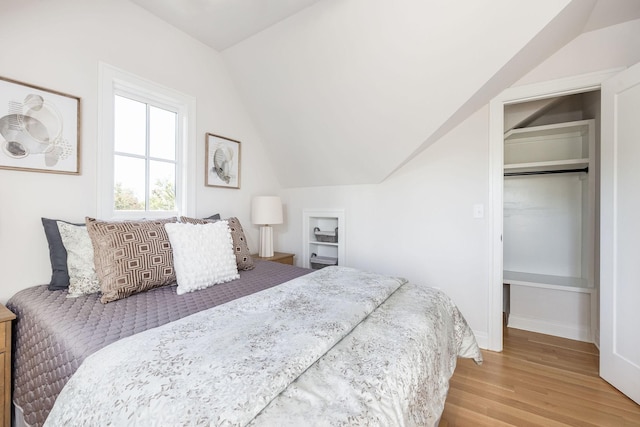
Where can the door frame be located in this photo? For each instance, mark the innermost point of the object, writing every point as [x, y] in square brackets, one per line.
[514, 95]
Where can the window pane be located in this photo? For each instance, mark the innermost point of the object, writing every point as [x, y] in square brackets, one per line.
[130, 126]
[162, 133]
[162, 186]
[129, 183]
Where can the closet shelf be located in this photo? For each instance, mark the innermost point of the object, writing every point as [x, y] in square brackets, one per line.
[547, 166]
[575, 128]
[562, 283]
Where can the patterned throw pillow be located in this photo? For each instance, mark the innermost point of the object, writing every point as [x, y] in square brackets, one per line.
[57, 254]
[131, 256]
[82, 274]
[240, 247]
[202, 255]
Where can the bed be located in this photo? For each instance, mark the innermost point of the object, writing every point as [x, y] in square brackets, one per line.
[280, 345]
[55, 334]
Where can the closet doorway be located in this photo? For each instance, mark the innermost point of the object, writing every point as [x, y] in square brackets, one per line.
[615, 260]
[545, 93]
[550, 211]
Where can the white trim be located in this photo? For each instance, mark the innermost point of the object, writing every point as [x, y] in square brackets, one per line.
[550, 328]
[565, 86]
[112, 79]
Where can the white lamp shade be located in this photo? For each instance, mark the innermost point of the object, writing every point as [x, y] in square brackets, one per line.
[266, 210]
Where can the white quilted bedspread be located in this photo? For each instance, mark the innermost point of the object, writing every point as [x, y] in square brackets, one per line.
[335, 347]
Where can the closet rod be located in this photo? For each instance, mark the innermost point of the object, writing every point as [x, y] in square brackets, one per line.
[585, 170]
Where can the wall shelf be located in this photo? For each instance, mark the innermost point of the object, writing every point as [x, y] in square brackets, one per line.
[315, 242]
[325, 220]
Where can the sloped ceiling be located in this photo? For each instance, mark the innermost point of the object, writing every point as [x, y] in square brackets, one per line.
[345, 92]
[348, 91]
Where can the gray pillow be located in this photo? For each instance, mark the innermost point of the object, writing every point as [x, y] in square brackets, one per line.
[57, 254]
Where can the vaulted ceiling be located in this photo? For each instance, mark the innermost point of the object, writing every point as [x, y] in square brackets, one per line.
[348, 91]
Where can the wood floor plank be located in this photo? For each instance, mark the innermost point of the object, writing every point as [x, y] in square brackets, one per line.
[538, 380]
[462, 416]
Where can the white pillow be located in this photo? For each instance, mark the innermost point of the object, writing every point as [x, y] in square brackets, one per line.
[83, 279]
[202, 255]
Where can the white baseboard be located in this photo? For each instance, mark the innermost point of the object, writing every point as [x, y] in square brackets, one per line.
[549, 328]
[482, 338]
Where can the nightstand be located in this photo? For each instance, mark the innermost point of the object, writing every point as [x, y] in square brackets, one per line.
[6, 317]
[281, 257]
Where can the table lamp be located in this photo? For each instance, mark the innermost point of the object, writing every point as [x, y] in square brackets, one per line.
[266, 211]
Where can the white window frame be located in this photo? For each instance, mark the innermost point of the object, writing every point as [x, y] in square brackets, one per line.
[114, 81]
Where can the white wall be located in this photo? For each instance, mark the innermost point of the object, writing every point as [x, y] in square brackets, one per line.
[57, 44]
[418, 223]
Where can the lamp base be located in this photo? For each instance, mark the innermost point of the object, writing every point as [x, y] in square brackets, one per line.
[266, 242]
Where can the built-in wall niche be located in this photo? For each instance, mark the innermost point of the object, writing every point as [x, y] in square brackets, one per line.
[323, 237]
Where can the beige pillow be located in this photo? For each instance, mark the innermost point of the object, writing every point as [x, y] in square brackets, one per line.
[240, 247]
[131, 256]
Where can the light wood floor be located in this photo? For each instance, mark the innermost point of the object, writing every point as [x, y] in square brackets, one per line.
[538, 380]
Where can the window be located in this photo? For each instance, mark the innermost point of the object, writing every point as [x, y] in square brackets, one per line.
[143, 161]
[144, 157]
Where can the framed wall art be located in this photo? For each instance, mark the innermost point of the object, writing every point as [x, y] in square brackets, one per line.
[222, 167]
[39, 129]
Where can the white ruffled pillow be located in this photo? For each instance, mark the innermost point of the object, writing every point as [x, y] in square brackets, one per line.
[202, 255]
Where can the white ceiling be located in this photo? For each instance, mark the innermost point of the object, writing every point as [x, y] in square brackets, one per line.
[611, 12]
[223, 23]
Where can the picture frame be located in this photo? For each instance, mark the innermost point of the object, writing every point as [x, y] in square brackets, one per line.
[39, 129]
[222, 165]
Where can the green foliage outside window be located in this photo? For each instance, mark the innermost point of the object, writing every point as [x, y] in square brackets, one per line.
[162, 198]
